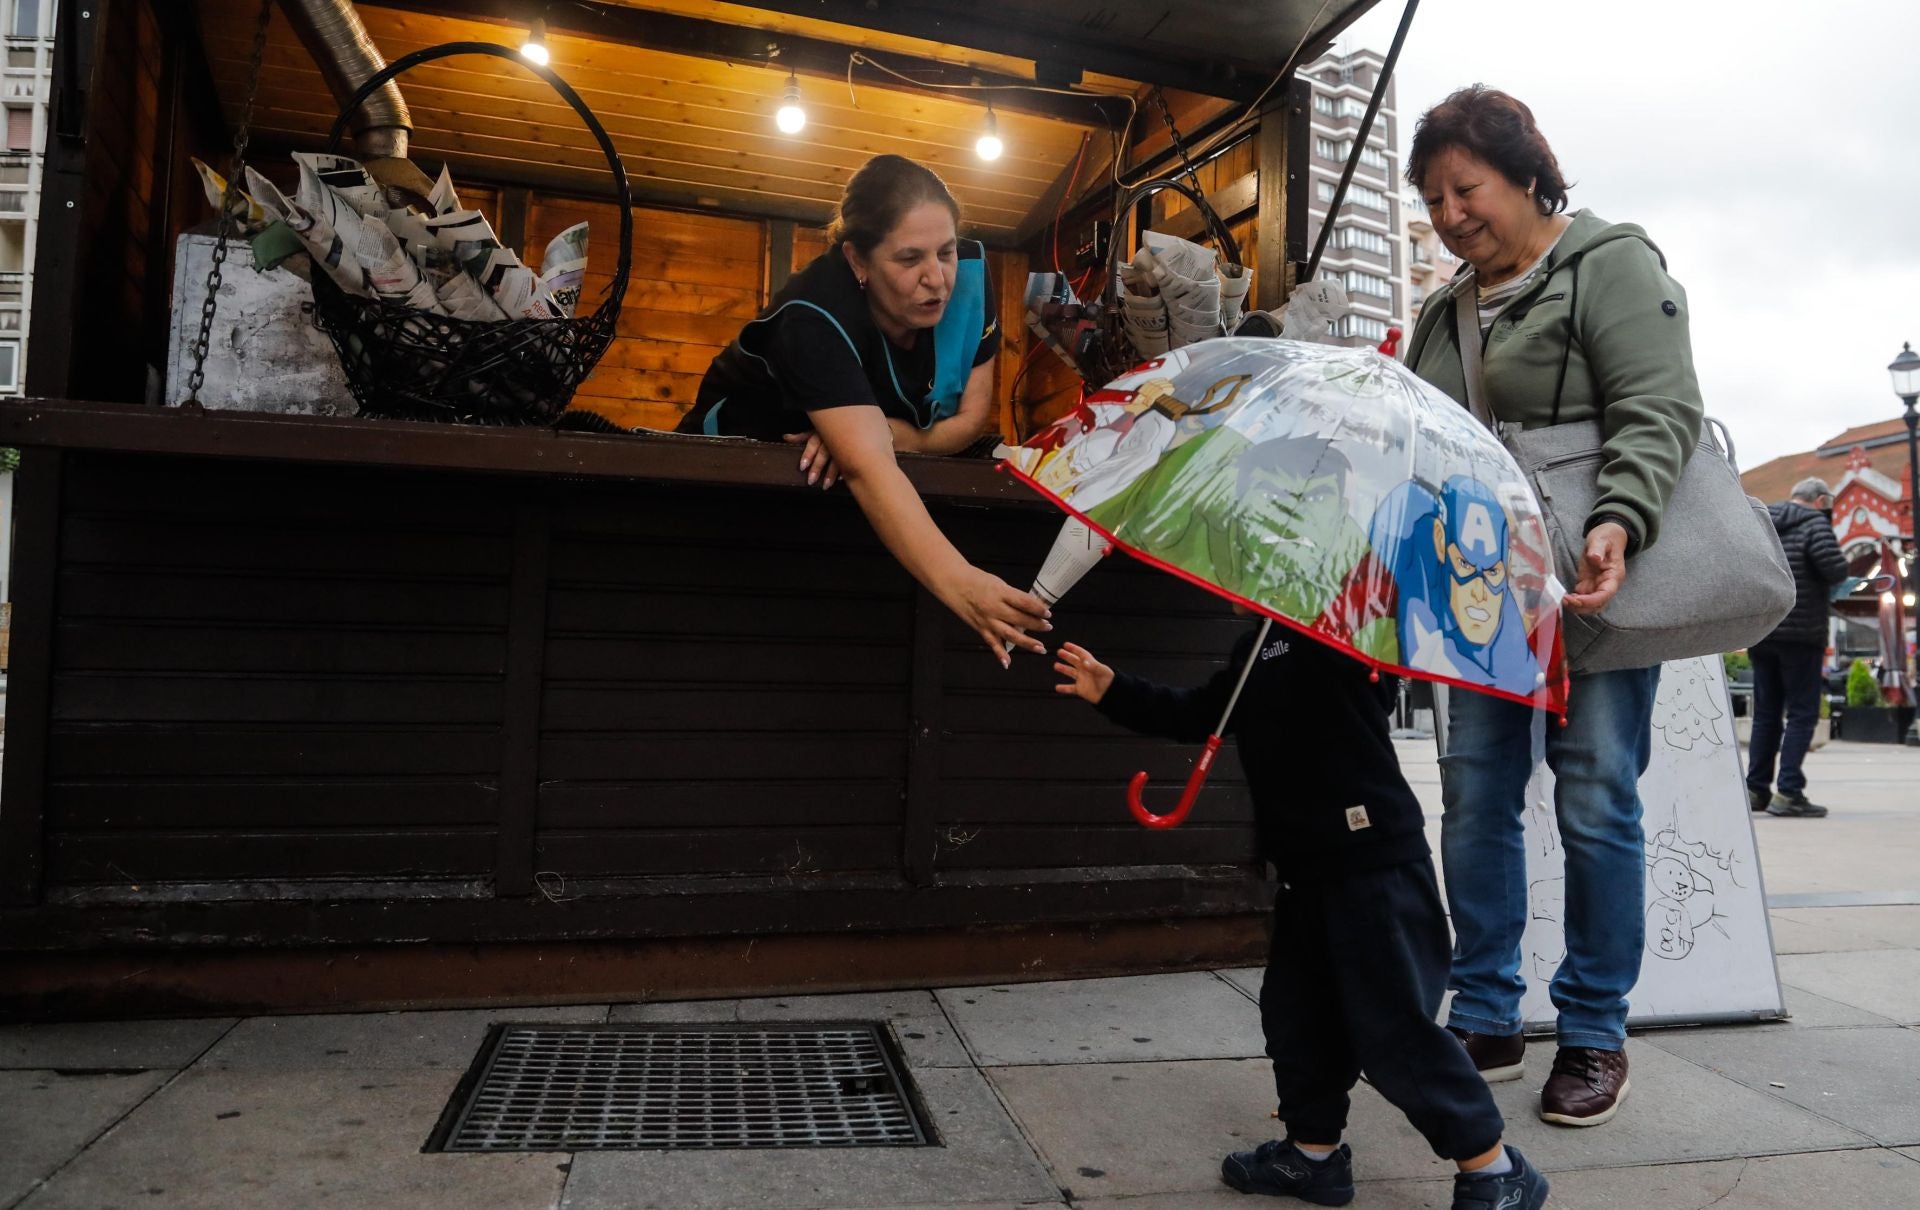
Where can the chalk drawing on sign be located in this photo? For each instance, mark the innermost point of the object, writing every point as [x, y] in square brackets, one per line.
[1680, 893]
[1684, 710]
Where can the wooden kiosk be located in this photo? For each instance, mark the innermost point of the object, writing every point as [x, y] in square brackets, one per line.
[313, 711]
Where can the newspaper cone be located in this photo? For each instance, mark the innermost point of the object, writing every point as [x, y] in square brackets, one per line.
[248, 213]
[1188, 278]
[564, 267]
[1235, 281]
[327, 249]
[345, 179]
[1076, 548]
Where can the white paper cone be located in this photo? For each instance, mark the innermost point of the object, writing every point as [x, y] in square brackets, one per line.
[1235, 281]
[1076, 548]
[1146, 323]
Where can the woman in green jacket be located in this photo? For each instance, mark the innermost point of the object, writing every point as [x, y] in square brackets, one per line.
[1579, 322]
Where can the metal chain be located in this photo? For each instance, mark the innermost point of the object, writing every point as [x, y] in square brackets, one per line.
[241, 135]
[1186, 161]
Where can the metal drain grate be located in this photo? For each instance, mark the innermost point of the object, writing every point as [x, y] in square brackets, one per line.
[641, 1087]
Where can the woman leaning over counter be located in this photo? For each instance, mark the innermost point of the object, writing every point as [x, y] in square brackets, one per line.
[884, 343]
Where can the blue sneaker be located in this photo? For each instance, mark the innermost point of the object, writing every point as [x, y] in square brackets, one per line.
[1520, 1188]
[1277, 1169]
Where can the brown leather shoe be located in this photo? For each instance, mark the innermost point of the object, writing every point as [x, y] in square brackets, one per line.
[1586, 1086]
[1497, 1058]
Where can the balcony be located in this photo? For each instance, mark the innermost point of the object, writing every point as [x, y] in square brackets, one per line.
[12, 286]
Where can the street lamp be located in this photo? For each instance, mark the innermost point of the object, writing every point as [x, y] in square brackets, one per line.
[1905, 370]
[1906, 384]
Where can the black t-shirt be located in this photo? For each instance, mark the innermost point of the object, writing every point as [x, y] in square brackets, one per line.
[816, 346]
[1311, 729]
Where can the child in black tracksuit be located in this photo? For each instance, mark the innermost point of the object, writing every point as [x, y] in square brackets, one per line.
[1360, 952]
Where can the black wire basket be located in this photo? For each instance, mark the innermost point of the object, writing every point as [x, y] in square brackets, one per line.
[402, 363]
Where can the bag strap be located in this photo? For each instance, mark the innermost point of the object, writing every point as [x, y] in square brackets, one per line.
[1473, 362]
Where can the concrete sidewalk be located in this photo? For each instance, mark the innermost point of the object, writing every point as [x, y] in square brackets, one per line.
[1115, 1093]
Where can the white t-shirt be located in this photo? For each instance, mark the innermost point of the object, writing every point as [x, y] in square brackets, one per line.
[1492, 298]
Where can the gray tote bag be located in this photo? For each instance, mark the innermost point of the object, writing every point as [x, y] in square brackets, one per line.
[1716, 580]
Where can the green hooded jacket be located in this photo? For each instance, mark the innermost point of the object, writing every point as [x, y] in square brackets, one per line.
[1629, 364]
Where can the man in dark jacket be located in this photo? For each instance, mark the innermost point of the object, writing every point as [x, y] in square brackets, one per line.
[1786, 664]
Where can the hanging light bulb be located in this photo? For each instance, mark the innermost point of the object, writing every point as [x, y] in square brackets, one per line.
[989, 147]
[534, 49]
[791, 119]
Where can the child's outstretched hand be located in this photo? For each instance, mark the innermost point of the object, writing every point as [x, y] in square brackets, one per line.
[1086, 677]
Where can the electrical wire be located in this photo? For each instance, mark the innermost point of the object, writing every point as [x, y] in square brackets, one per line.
[860, 57]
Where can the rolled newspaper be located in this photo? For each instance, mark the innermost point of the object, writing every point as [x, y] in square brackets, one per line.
[1076, 548]
[466, 236]
[345, 177]
[247, 212]
[442, 199]
[563, 267]
[391, 274]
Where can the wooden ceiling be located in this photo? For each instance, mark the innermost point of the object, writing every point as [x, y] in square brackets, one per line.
[692, 130]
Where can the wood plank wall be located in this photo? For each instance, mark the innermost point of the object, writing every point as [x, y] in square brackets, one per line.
[287, 677]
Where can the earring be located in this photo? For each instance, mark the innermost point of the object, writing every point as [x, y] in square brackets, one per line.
[862, 281]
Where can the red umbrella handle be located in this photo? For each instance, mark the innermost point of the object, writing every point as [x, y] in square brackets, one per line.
[1195, 780]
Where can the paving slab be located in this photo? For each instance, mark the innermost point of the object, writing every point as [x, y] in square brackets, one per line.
[399, 1041]
[1163, 1127]
[1810, 1011]
[1866, 1079]
[926, 1037]
[983, 1159]
[1884, 926]
[47, 1118]
[1886, 982]
[244, 1140]
[1247, 979]
[1676, 1111]
[109, 1045]
[1131, 1129]
[1857, 1180]
[1191, 1015]
[1792, 934]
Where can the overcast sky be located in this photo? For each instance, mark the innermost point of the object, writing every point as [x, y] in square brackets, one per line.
[1773, 156]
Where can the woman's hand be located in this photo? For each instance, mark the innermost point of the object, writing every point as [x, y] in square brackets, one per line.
[1603, 569]
[997, 611]
[1087, 678]
[815, 462]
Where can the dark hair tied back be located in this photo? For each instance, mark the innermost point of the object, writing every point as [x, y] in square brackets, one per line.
[880, 195]
[1494, 127]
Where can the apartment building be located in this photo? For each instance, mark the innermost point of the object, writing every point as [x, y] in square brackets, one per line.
[1369, 252]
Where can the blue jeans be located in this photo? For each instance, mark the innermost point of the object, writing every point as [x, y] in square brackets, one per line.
[1786, 677]
[1597, 760]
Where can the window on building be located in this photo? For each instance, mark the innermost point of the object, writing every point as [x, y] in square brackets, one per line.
[19, 128]
[1326, 104]
[1359, 281]
[1328, 149]
[1373, 157]
[1362, 326]
[26, 19]
[9, 365]
[1364, 240]
[1352, 107]
[22, 56]
[1360, 195]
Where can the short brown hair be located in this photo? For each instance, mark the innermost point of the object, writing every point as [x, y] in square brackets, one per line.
[1496, 128]
[879, 196]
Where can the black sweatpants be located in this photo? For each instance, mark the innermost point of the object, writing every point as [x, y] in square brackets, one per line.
[1355, 973]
